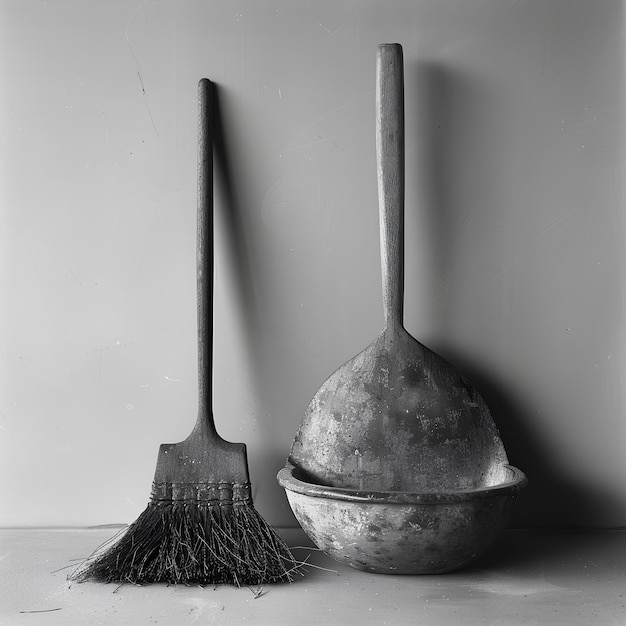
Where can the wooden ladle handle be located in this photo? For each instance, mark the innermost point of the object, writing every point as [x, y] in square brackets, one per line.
[390, 169]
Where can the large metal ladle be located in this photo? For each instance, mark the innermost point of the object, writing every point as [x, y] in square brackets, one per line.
[397, 417]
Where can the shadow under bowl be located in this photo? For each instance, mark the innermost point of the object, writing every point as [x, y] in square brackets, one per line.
[399, 532]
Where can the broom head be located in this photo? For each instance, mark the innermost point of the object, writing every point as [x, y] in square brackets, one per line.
[200, 526]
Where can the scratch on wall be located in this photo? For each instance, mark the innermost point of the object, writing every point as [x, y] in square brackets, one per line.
[141, 83]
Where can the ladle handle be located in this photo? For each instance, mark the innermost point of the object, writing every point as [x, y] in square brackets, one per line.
[390, 169]
[204, 257]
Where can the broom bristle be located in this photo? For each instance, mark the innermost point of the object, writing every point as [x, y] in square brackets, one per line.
[194, 542]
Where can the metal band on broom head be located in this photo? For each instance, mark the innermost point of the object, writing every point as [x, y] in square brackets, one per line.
[200, 525]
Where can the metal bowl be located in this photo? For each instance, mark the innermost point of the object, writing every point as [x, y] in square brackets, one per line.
[402, 533]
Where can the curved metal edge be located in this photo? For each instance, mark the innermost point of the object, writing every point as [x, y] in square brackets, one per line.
[289, 482]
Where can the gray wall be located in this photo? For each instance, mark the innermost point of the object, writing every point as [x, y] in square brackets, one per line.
[514, 233]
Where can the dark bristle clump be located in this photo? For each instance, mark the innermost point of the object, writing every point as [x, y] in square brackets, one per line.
[193, 543]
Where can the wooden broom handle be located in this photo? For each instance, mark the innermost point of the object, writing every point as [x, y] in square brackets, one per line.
[205, 253]
[390, 169]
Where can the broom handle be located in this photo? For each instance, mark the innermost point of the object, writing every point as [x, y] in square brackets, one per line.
[204, 257]
[390, 170]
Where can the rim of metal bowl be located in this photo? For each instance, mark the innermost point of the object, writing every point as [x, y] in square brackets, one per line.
[287, 479]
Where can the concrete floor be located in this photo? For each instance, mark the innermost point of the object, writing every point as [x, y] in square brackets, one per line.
[530, 577]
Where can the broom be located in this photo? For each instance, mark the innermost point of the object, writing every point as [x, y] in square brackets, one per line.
[200, 525]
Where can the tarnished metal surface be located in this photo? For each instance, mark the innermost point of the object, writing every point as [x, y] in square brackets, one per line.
[398, 417]
[390, 534]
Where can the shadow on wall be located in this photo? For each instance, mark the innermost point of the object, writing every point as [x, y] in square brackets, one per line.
[552, 498]
[453, 109]
[229, 208]
[243, 256]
